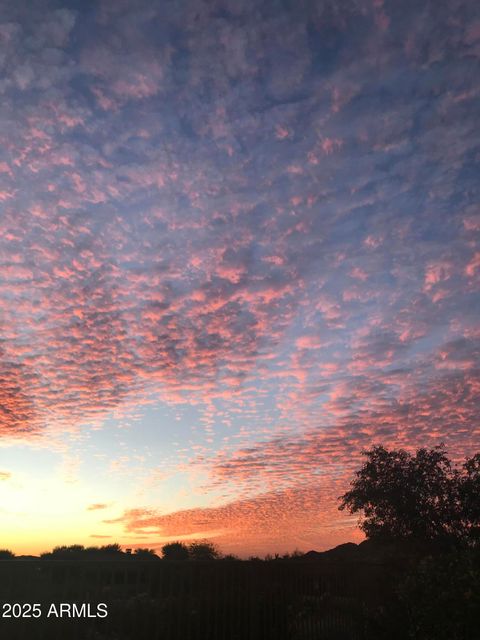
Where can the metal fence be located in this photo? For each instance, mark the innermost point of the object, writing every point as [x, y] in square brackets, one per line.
[221, 600]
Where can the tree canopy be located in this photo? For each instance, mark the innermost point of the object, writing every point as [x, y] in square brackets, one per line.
[197, 550]
[421, 497]
[203, 550]
[145, 554]
[79, 552]
[175, 551]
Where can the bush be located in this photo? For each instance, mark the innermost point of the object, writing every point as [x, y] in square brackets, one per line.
[175, 551]
[203, 550]
[441, 597]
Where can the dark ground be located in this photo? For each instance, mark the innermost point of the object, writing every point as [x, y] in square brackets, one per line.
[306, 599]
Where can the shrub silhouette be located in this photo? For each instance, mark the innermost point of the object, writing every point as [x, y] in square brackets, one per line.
[196, 550]
[79, 552]
[6, 554]
[203, 550]
[146, 554]
[175, 551]
[441, 596]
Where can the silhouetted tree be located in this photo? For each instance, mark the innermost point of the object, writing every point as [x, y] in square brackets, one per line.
[470, 498]
[417, 497]
[146, 554]
[6, 554]
[79, 552]
[175, 551]
[111, 549]
[71, 552]
[203, 550]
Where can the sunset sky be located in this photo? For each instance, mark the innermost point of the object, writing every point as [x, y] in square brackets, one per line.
[238, 245]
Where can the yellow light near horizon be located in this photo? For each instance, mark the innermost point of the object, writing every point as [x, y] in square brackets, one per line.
[35, 535]
[38, 514]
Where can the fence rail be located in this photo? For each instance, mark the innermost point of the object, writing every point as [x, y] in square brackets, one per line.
[221, 600]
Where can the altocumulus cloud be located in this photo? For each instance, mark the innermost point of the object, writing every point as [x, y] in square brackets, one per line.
[97, 506]
[269, 213]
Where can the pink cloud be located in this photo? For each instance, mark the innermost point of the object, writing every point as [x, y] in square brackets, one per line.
[473, 265]
[278, 521]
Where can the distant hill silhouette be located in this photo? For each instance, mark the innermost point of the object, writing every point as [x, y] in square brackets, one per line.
[367, 551]
[346, 551]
